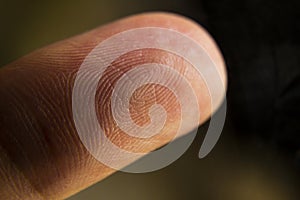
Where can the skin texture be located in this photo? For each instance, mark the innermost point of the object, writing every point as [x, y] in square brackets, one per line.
[41, 156]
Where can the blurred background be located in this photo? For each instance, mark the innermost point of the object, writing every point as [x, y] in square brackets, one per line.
[258, 154]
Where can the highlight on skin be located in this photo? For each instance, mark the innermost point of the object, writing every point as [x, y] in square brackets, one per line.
[42, 155]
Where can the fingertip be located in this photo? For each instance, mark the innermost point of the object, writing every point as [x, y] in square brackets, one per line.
[43, 82]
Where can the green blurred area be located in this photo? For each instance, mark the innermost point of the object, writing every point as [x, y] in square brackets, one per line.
[28, 25]
[235, 170]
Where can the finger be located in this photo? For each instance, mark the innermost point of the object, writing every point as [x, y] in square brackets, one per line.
[41, 153]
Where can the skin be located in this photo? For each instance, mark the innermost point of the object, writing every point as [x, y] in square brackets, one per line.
[41, 156]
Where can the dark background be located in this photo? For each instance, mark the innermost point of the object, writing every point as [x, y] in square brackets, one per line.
[258, 154]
